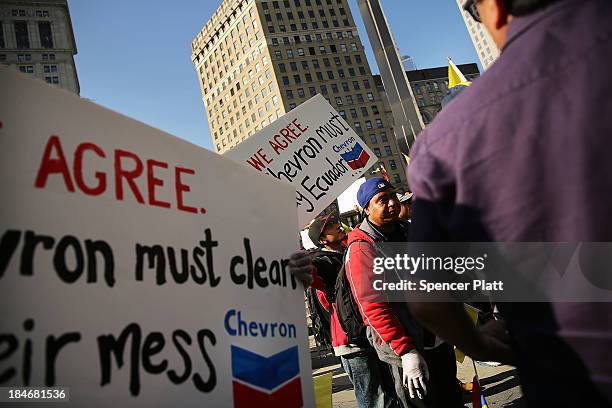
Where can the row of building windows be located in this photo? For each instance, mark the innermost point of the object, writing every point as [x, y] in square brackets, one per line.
[297, 3]
[29, 13]
[304, 26]
[300, 52]
[29, 69]
[22, 35]
[300, 14]
[293, 65]
[318, 37]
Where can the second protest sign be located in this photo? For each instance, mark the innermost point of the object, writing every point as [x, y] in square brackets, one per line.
[313, 148]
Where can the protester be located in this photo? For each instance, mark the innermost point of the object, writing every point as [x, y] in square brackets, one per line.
[421, 363]
[405, 202]
[522, 155]
[369, 376]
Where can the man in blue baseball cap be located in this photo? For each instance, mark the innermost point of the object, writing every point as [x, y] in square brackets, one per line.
[411, 352]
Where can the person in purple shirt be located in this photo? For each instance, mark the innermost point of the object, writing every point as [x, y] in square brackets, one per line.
[523, 155]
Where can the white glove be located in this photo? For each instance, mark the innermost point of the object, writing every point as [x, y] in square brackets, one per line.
[415, 374]
[300, 266]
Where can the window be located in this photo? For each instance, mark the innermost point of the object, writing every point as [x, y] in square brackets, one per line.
[368, 124]
[339, 100]
[289, 53]
[357, 126]
[300, 52]
[322, 49]
[304, 64]
[330, 74]
[285, 80]
[375, 109]
[373, 138]
[289, 94]
[370, 96]
[379, 123]
[1, 36]
[297, 79]
[319, 75]
[364, 111]
[343, 47]
[324, 89]
[349, 99]
[300, 92]
[351, 72]
[383, 136]
[396, 177]
[377, 152]
[354, 46]
[312, 91]
[28, 69]
[388, 150]
[362, 70]
[278, 54]
[360, 98]
[353, 113]
[293, 66]
[341, 73]
[366, 84]
[308, 77]
[345, 86]
[392, 165]
[21, 34]
[281, 67]
[334, 88]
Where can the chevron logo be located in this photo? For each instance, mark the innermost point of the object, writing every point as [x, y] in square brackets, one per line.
[356, 158]
[272, 382]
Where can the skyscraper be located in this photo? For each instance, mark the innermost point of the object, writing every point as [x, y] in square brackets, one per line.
[36, 38]
[483, 43]
[256, 60]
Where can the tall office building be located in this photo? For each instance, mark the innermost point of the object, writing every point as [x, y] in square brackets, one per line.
[483, 43]
[36, 38]
[257, 59]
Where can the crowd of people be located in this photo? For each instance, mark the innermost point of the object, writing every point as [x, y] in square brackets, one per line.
[520, 155]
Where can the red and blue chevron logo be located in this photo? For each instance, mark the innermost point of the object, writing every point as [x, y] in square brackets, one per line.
[356, 158]
[272, 382]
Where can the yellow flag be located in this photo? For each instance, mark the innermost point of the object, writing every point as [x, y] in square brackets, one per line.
[455, 77]
[473, 313]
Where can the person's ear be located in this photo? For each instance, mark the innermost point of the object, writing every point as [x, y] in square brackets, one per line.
[502, 16]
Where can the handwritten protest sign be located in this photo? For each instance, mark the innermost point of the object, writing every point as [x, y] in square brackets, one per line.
[312, 148]
[137, 269]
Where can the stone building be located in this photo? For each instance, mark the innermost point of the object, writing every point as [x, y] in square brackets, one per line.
[256, 60]
[36, 38]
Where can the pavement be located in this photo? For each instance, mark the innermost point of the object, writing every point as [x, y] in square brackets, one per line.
[500, 384]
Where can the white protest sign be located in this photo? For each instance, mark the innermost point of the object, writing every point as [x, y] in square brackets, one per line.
[137, 269]
[312, 148]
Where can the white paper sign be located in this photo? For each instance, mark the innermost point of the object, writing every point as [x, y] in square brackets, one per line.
[312, 148]
[137, 269]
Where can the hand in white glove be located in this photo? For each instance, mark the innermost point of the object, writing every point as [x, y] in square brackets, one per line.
[415, 374]
[300, 266]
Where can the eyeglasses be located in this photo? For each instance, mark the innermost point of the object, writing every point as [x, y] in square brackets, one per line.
[470, 7]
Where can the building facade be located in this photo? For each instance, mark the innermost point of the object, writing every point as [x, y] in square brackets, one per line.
[257, 59]
[36, 38]
[483, 43]
[429, 87]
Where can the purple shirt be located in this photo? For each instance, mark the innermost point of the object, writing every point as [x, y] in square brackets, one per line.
[525, 154]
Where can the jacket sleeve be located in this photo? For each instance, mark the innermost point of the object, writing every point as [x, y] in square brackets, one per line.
[377, 314]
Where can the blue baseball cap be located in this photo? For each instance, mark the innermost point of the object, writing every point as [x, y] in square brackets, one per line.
[370, 188]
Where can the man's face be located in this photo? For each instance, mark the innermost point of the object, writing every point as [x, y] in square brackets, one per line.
[495, 19]
[332, 233]
[384, 207]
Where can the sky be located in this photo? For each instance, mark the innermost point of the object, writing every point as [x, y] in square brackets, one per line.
[134, 57]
